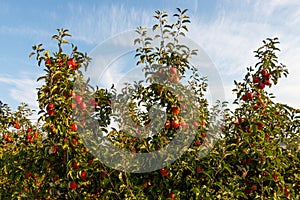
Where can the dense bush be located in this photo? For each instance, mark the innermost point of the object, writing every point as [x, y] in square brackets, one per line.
[256, 156]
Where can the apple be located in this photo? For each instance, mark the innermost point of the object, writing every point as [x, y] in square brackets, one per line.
[74, 127]
[54, 149]
[73, 185]
[175, 110]
[16, 126]
[254, 187]
[261, 86]
[50, 112]
[60, 63]
[275, 176]
[203, 135]
[34, 176]
[197, 143]
[27, 174]
[159, 89]
[29, 130]
[171, 195]
[28, 136]
[260, 126]
[75, 165]
[72, 93]
[103, 173]
[47, 62]
[50, 106]
[256, 80]
[199, 169]
[175, 123]
[78, 99]
[195, 124]
[82, 106]
[176, 79]
[250, 95]
[267, 75]
[5, 136]
[83, 175]
[75, 141]
[173, 70]
[163, 172]
[9, 140]
[90, 162]
[167, 124]
[264, 72]
[267, 82]
[72, 106]
[71, 63]
[267, 136]
[244, 98]
[287, 195]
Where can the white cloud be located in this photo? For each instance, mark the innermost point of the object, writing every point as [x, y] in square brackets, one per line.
[231, 38]
[21, 89]
[99, 22]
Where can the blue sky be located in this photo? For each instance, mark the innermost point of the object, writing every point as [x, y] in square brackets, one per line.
[227, 30]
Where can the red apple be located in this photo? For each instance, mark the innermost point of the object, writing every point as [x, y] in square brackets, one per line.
[197, 143]
[29, 130]
[27, 174]
[55, 148]
[5, 136]
[78, 99]
[50, 106]
[267, 82]
[254, 187]
[103, 173]
[50, 112]
[195, 124]
[267, 75]
[75, 141]
[73, 185]
[244, 98]
[175, 110]
[203, 135]
[261, 86]
[47, 62]
[16, 126]
[83, 175]
[199, 169]
[171, 195]
[167, 124]
[71, 63]
[82, 106]
[175, 123]
[74, 127]
[173, 70]
[75, 165]
[163, 172]
[90, 162]
[264, 72]
[28, 136]
[72, 106]
[250, 95]
[256, 80]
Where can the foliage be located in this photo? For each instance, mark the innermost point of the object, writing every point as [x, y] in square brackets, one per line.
[256, 157]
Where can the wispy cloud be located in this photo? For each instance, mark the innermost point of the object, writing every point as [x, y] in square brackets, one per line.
[231, 38]
[100, 22]
[21, 89]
